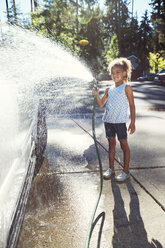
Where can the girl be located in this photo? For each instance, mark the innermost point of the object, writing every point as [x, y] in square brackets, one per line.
[119, 100]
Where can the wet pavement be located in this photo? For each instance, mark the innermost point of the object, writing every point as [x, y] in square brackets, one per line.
[64, 193]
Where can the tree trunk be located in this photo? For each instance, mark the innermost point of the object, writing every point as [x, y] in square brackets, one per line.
[132, 8]
[119, 26]
[15, 12]
[31, 3]
[157, 37]
[35, 4]
[77, 15]
[116, 19]
[131, 40]
[117, 22]
[7, 11]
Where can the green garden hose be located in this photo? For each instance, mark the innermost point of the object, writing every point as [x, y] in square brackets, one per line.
[90, 228]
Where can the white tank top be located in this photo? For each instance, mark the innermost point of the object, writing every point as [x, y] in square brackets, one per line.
[117, 106]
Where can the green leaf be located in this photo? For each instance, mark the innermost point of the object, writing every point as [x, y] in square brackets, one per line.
[86, 18]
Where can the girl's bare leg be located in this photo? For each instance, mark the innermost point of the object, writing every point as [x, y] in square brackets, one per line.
[126, 153]
[112, 149]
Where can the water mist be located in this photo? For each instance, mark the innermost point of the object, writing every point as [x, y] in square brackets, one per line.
[32, 69]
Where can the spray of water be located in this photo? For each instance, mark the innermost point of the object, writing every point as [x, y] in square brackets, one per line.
[30, 58]
[30, 66]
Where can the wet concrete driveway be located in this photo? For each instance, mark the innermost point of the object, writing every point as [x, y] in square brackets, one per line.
[64, 194]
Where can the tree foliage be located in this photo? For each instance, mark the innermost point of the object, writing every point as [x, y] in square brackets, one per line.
[111, 32]
[113, 51]
[158, 21]
[145, 41]
[156, 62]
[57, 20]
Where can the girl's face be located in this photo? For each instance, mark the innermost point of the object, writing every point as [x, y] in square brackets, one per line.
[118, 74]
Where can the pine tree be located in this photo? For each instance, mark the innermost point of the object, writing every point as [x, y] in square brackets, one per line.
[145, 43]
[110, 20]
[117, 21]
[158, 21]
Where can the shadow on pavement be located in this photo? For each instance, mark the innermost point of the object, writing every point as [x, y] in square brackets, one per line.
[129, 232]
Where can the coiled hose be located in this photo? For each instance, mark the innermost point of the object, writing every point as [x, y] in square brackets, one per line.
[91, 224]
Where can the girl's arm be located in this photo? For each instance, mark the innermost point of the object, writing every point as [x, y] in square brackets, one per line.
[100, 101]
[129, 94]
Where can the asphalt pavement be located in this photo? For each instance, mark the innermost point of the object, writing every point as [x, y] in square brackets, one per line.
[64, 193]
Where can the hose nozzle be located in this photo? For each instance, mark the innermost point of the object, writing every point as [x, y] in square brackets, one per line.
[95, 83]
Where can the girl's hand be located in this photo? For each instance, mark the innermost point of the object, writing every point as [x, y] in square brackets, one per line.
[95, 91]
[131, 128]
